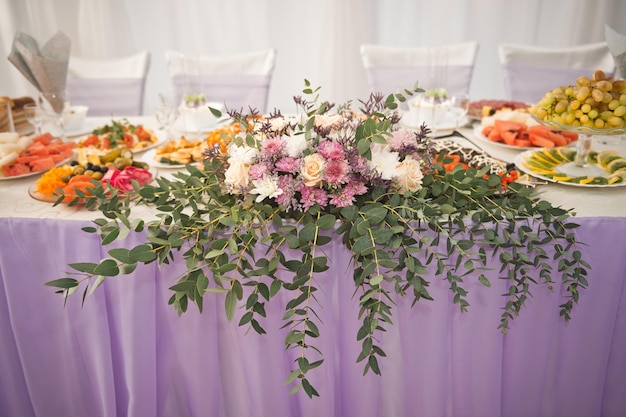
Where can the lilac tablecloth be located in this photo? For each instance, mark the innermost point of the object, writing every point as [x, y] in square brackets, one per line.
[127, 353]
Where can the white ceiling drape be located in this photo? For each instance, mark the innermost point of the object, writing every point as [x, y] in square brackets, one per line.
[317, 40]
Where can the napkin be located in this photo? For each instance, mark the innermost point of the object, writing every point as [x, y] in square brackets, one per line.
[46, 67]
[617, 46]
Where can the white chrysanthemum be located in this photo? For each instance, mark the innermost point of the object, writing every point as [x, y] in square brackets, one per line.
[266, 187]
[295, 145]
[243, 154]
[384, 161]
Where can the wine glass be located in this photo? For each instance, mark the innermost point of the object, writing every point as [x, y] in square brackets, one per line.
[35, 115]
[165, 112]
[459, 107]
[54, 104]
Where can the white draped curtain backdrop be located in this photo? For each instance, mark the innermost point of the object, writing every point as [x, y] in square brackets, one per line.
[317, 40]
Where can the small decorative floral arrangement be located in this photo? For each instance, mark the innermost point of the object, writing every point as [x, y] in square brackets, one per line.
[335, 173]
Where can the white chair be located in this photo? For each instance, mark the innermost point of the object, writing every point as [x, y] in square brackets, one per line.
[391, 69]
[530, 71]
[239, 82]
[109, 87]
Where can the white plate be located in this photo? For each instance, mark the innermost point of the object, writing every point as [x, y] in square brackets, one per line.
[179, 126]
[568, 168]
[444, 128]
[86, 128]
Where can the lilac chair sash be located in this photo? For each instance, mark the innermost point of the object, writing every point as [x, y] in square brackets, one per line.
[108, 96]
[393, 79]
[234, 91]
[529, 83]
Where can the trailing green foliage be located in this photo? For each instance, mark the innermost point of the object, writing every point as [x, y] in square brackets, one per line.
[231, 243]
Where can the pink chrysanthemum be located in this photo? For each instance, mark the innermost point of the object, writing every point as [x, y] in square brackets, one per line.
[288, 164]
[257, 171]
[356, 188]
[287, 198]
[331, 150]
[272, 148]
[402, 139]
[336, 171]
[313, 195]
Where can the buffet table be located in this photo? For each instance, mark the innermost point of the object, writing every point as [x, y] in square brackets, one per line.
[126, 352]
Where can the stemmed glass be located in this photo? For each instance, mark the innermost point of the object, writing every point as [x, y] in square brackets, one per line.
[459, 107]
[165, 112]
[54, 103]
[35, 115]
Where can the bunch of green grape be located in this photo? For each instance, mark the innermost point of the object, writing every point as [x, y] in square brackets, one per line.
[598, 102]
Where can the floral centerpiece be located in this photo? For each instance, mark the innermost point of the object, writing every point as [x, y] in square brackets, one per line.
[335, 172]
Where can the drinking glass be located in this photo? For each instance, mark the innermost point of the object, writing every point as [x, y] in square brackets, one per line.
[35, 115]
[165, 112]
[459, 106]
[54, 104]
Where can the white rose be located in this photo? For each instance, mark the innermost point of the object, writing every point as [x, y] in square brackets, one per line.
[237, 176]
[266, 187]
[409, 175]
[312, 169]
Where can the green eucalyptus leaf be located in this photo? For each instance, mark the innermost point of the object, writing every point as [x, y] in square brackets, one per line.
[63, 283]
[107, 267]
[142, 253]
[87, 267]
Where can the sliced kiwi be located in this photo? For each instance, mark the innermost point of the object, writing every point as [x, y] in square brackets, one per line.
[616, 164]
[605, 157]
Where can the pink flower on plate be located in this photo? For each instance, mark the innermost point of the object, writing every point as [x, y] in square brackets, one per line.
[122, 180]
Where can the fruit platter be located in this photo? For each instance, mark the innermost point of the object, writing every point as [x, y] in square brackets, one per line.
[591, 106]
[119, 134]
[604, 168]
[520, 130]
[72, 182]
[23, 156]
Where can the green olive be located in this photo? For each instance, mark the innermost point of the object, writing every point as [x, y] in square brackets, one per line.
[66, 178]
[79, 170]
[97, 175]
[89, 172]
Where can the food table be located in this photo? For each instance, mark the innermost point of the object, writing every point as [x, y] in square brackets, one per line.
[126, 352]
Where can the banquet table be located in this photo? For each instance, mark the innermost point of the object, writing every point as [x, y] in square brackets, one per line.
[126, 352]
